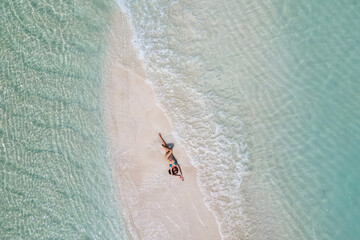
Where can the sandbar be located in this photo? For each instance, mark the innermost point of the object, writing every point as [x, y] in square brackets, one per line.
[154, 204]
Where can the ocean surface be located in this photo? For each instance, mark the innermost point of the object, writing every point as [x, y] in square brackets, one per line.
[264, 95]
[55, 180]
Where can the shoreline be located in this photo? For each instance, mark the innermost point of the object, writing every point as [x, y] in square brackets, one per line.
[154, 204]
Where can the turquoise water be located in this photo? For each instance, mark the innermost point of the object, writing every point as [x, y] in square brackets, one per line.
[307, 150]
[263, 94]
[55, 181]
[265, 97]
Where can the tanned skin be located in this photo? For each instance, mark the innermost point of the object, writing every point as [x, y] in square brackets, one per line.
[170, 157]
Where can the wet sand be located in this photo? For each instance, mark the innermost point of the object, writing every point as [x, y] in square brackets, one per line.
[155, 205]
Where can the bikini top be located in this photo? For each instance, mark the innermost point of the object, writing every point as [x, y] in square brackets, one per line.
[172, 164]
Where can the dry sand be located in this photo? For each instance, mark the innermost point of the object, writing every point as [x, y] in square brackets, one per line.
[154, 204]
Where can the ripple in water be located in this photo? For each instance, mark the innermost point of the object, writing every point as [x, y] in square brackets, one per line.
[264, 97]
[53, 158]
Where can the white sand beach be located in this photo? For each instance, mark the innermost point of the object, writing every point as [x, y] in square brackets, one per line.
[155, 205]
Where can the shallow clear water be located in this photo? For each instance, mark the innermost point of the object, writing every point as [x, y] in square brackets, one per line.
[55, 181]
[305, 143]
[264, 95]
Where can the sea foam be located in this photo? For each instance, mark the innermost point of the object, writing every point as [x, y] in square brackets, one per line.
[182, 84]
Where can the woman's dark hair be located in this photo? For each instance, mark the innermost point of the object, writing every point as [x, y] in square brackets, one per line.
[174, 170]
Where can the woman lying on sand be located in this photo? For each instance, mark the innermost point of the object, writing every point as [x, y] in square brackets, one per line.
[174, 166]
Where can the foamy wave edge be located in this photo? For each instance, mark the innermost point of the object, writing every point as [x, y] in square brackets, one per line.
[217, 195]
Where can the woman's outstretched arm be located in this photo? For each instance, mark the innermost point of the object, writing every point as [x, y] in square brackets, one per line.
[181, 176]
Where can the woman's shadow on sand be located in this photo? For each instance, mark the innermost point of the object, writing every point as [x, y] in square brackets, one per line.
[170, 145]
